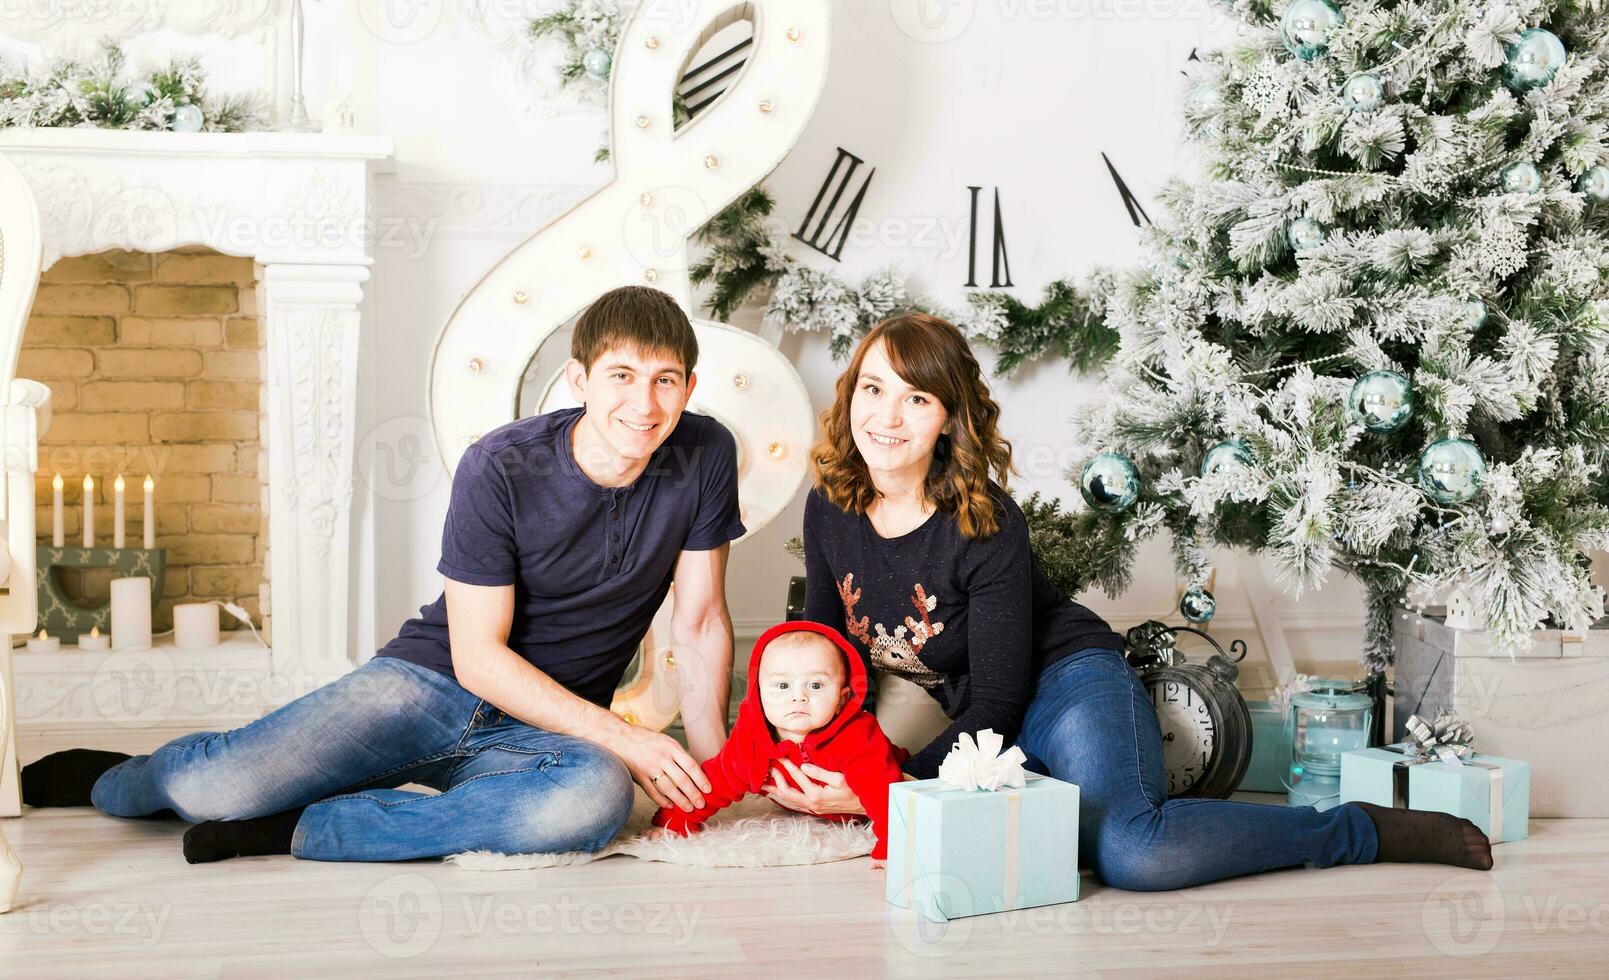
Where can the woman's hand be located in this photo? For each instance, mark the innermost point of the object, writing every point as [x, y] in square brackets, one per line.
[824, 791]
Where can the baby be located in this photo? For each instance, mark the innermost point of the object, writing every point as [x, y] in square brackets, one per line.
[806, 688]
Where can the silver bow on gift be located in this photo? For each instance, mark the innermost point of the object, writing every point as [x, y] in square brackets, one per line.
[981, 765]
[1448, 738]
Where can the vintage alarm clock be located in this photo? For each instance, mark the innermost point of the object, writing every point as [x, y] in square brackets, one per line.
[1206, 726]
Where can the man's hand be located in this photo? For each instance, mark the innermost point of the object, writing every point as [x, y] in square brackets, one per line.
[663, 769]
[823, 791]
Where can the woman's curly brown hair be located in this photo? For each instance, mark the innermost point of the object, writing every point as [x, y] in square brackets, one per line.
[971, 461]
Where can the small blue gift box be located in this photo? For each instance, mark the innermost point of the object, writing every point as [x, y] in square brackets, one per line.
[1492, 792]
[957, 852]
[1270, 764]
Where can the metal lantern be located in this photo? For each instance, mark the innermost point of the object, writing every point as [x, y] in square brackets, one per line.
[1329, 719]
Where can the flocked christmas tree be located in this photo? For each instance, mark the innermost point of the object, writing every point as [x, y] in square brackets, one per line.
[1372, 336]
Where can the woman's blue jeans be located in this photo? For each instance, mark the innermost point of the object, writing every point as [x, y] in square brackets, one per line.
[1091, 723]
[341, 751]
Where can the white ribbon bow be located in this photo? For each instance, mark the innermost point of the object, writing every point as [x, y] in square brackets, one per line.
[981, 765]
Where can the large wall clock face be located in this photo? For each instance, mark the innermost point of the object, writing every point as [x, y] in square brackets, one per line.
[962, 142]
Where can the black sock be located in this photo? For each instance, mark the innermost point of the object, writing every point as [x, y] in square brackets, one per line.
[65, 778]
[219, 840]
[1428, 836]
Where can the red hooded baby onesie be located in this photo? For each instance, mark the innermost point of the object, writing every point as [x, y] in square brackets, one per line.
[851, 743]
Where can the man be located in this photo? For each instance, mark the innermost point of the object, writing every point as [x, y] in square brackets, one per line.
[563, 535]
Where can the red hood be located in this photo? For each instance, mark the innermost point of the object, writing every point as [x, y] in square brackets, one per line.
[751, 714]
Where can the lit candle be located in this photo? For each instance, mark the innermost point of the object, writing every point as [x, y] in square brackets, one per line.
[89, 511]
[57, 537]
[43, 643]
[150, 518]
[93, 640]
[131, 612]
[117, 512]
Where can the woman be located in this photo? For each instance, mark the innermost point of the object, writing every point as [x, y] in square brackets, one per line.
[914, 548]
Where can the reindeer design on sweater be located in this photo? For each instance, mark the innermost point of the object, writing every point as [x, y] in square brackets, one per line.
[895, 652]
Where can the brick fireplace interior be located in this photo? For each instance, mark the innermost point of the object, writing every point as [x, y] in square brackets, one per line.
[155, 364]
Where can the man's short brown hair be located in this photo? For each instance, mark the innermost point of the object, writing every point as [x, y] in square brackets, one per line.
[636, 318]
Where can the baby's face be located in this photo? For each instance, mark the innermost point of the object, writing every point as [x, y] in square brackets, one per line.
[801, 683]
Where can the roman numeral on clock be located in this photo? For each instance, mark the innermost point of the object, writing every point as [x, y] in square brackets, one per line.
[1000, 261]
[830, 242]
[1132, 203]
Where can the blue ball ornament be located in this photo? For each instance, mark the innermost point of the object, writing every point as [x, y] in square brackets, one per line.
[1203, 99]
[596, 63]
[1306, 25]
[1381, 401]
[1594, 183]
[1533, 59]
[1363, 92]
[1475, 313]
[1521, 177]
[1198, 605]
[1451, 471]
[139, 95]
[1109, 482]
[187, 119]
[1229, 454]
[1305, 233]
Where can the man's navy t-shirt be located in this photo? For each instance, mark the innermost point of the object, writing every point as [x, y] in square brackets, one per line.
[590, 565]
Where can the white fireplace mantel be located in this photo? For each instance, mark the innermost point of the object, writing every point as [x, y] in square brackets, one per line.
[300, 204]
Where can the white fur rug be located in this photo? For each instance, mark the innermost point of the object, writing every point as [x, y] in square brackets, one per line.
[755, 833]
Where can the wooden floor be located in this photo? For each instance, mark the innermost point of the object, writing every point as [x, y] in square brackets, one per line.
[103, 897]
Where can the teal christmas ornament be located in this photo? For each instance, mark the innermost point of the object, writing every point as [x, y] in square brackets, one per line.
[596, 63]
[1533, 59]
[1595, 183]
[139, 95]
[187, 119]
[1203, 99]
[1363, 92]
[1452, 470]
[1305, 233]
[1475, 312]
[1109, 482]
[1231, 453]
[1381, 401]
[1306, 25]
[1521, 177]
[1197, 605]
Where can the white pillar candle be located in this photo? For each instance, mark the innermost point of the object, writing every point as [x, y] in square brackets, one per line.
[89, 511]
[58, 537]
[43, 643]
[149, 534]
[117, 512]
[131, 612]
[93, 640]
[195, 624]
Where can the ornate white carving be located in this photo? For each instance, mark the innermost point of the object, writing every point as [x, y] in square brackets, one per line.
[40, 20]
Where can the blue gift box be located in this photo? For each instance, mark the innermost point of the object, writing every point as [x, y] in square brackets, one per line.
[1492, 792]
[1270, 764]
[957, 852]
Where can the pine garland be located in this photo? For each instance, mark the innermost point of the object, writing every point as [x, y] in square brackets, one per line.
[100, 94]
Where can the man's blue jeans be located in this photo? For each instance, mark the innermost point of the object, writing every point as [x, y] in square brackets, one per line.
[341, 751]
[1092, 723]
